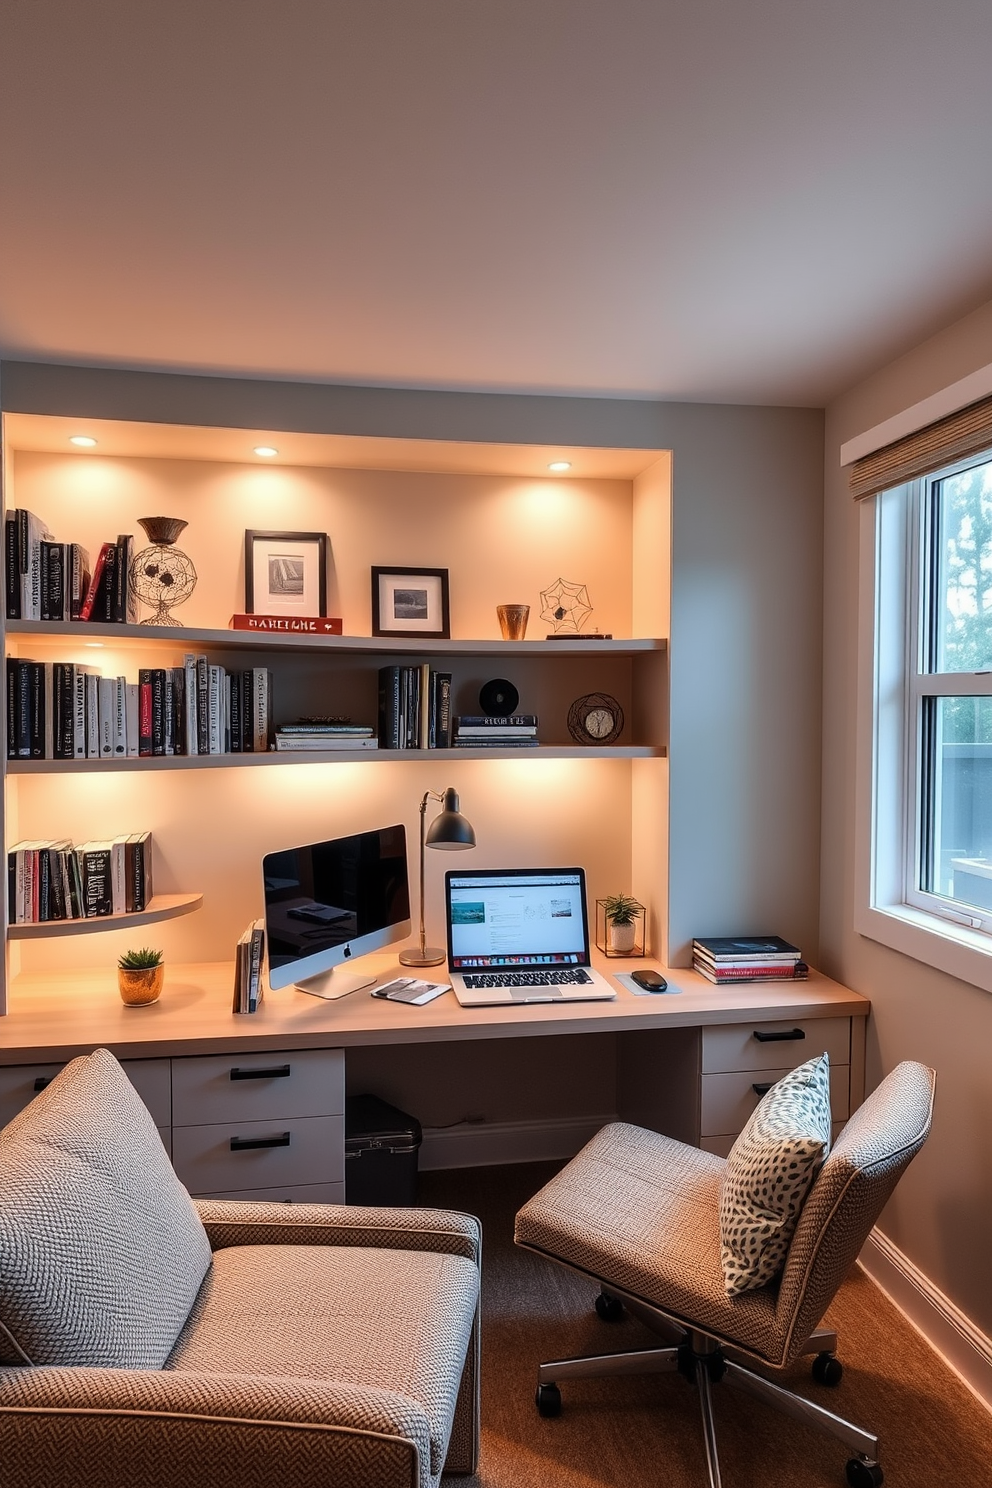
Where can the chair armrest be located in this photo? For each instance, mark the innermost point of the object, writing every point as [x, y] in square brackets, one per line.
[244, 1222]
[166, 1429]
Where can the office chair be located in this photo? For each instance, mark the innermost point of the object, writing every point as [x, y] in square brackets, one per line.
[639, 1213]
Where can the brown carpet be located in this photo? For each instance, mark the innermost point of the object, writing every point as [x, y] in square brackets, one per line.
[644, 1431]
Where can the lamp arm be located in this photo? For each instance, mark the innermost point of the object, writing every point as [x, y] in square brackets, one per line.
[428, 796]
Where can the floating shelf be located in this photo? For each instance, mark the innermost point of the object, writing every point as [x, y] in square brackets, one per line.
[250, 640]
[162, 907]
[326, 757]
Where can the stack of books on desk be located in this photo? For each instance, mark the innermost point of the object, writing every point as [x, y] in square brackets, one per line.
[511, 731]
[318, 734]
[748, 958]
[248, 969]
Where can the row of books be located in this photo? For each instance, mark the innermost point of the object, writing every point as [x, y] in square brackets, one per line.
[63, 711]
[511, 731]
[414, 707]
[762, 958]
[248, 981]
[312, 735]
[49, 580]
[52, 880]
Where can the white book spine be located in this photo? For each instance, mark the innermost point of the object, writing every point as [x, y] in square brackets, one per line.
[107, 708]
[226, 734]
[92, 715]
[214, 709]
[120, 717]
[260, 709]
[132, 717]
[117, 875]
[78, 714]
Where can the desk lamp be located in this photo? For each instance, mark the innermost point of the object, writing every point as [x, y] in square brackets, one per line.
[449, 830]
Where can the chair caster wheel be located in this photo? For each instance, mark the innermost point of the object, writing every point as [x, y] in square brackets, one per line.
[548, 1400]
[828, 1370]
[610, 1309]
[862, 1472]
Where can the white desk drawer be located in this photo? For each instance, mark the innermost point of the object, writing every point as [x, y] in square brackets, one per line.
[233, 1156]
[257, 1087]
[20, 1083]
[301, 1193]
[762, 1046]
[727, 1100]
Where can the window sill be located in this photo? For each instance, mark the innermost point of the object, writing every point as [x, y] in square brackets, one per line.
[954, 949]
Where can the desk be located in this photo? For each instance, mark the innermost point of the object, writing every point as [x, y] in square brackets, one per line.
[682, 1064]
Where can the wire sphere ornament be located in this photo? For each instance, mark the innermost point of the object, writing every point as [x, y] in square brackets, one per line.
[162, 576]
[565, 606]
[596, 718]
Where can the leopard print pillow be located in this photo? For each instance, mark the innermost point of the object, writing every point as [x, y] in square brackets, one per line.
[768, 1175]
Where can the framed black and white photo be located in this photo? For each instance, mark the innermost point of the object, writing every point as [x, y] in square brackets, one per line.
[410, 602]
[285, 573]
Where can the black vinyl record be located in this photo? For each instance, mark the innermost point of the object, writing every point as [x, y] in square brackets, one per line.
[498, 698]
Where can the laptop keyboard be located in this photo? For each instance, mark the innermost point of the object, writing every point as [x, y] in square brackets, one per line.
[568, 977]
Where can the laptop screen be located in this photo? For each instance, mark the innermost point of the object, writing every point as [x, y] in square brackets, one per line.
[517, 917]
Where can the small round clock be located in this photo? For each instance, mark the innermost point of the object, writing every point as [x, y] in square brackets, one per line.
[596, 718]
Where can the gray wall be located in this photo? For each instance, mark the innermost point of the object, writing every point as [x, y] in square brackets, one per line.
[746, 608]
[941, 1214]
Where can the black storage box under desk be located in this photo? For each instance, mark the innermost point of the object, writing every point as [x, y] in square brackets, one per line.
[380, 1147]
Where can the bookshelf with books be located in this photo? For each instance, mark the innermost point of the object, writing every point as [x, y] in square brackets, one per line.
[212, 821]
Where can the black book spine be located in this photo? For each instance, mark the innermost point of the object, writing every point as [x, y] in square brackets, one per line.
[202, 706]
[389, 707]
[64, 689]
[44, 885]
[247, 715]
[12, 708]
[11, 888]
[104, 607]
[98, 893]
[11, 567]
[23, 704]
[53, 579]
[36, 709]
[78, 579]
[56, 899]
[443, 730]
[121, 567]
[158, 711]
[138, 882]
[237, 726]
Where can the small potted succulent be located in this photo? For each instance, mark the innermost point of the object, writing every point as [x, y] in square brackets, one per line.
[621, 912]
[140, 975]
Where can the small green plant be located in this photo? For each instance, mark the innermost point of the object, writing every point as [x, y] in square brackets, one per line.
[621, 909]
[141, 960]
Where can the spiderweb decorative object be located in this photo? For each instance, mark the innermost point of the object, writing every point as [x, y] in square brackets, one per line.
[565, 606]
[162, 576]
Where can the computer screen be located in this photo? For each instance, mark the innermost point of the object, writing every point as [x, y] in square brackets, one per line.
[330, 902]
[517, 917]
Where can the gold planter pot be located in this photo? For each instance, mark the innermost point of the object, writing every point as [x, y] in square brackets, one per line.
[140, 985]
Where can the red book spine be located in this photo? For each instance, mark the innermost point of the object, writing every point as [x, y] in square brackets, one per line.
[86, 608]
[795, 973]
[145, 718]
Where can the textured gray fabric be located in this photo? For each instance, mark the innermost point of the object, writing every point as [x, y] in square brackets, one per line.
[394, 1320]
[640, 1212]
[101, 1250]
[768, 1174]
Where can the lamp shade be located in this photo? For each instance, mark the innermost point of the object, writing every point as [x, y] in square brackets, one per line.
[450, 829]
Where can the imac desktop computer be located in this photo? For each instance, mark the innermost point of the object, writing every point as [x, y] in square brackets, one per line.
[331, 902]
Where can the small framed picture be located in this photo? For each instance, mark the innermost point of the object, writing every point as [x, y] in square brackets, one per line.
[410, 602]
[285, 573]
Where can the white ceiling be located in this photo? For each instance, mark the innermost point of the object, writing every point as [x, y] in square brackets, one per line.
[753, 200]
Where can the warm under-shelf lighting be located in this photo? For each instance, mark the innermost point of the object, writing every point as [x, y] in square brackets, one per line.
[560, 466]
[265, 450]
[84, 441]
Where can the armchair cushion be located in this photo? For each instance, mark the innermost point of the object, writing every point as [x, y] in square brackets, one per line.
[101, 1250]
[768, 1175]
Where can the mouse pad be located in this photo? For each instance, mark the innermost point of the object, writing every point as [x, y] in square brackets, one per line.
[626, 980]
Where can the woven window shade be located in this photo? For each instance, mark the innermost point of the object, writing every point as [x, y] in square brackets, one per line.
[952, 438]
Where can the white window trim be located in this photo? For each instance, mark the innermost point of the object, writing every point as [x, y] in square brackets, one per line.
[884, 762]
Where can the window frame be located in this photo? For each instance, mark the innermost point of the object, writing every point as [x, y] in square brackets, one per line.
[892, 684]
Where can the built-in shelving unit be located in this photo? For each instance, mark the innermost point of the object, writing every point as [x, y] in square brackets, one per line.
[160, 907]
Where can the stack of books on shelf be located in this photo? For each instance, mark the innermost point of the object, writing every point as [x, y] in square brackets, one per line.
[314, 734]
[63, 711]
[45, 579]
[748, 958]
[52, 880]
[414, 707]
[511, 731]
[248, 969]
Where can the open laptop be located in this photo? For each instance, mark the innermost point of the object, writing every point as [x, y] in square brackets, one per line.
[520, 935]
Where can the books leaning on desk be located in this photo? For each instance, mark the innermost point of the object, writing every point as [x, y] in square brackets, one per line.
[248, 969]
[748, 958]
[479, 731]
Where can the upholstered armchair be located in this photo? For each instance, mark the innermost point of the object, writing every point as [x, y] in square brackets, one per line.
[147, 1339]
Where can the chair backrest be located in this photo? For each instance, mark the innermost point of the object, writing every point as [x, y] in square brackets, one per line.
[851, 1190]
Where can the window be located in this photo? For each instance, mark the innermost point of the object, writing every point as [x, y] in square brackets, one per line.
[928, 810]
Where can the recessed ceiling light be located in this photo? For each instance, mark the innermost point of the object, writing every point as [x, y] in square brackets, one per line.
[266, 450]
[84, 441]
[558, 466]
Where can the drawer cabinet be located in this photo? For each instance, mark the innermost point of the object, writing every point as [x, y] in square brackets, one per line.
[257, 1087]
[150, 1077]
[247, 1155]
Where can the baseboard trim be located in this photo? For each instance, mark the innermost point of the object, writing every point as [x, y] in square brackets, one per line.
[482, 1144]
[945, 1327]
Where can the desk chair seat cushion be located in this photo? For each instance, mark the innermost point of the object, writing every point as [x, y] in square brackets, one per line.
[769, 1172]
[641, 1212]
[396, 1323]
[101, 1250]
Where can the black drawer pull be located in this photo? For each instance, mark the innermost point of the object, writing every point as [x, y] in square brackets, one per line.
[276, 1072]
[42, 1081]
[245, 1144]
[762, 1089]
[786, 1036]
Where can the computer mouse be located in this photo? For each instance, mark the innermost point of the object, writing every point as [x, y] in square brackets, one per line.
[651, 981]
